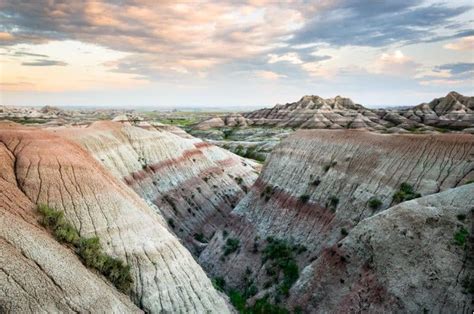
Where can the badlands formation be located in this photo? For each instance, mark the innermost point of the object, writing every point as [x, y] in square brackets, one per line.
[254, 134]
[41, 167]
[336, 220]
[328, 200]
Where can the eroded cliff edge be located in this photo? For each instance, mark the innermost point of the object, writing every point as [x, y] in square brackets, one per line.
[46, 168]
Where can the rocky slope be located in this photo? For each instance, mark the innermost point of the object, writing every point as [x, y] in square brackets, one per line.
[37, 274]
[404, 259]
[192, 184]
[52, 170]
[318, 184]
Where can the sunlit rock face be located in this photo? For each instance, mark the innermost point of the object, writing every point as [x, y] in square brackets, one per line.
[37, 273]
[317, 185]
[404, 259]
[194, 185]
[50, 169]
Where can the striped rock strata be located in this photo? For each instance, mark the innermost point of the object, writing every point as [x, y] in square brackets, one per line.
[194, 185]
[318, 183]
[402, 260]
[452, 112]
[52, 170]
[37, 274]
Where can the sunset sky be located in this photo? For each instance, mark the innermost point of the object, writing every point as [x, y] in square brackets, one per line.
[217, 54]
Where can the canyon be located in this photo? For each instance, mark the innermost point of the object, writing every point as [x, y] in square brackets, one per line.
[370, 216]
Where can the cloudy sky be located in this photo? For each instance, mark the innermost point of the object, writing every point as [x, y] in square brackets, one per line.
[233, 53]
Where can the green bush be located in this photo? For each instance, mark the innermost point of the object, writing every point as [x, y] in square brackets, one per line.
[332, 203]
[460, 237]
[231, 245]
[237, 300]
[200, 237]
[219, 283]
[304, 198]
[344, 232]
[375, 203]
[262, 306]
[66, 233]
[171, 223]
[405, 193]
[88, 249]
[461, 217]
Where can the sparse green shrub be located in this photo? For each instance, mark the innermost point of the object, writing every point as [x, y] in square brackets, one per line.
[66, 233]
[375, 203]
[461, 217]
[231, 245]
[237, 300]
[460, 237]
[200, 237]
[316, 182]
[219, 283]
[280, 255]
[225, 233]
[468, 284]
[332, 203]
[239, 180]
[304, 198]
[171, 223]
[88, 249]
[267, 192]
[344, 231]
[405, 193]
[264, 307]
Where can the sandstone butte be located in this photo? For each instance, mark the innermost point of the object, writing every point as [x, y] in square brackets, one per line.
[39, 166]
[314, 191]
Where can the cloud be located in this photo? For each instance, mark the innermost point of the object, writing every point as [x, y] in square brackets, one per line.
[269, 75]
[377, 23]
[456, 68]
[44, 63]
[463, 44]
[291, 57]
[190, 35]
[395, 63]
[461, 73]
[6, 37]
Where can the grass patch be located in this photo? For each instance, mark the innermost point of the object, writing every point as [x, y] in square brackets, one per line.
[88, 249]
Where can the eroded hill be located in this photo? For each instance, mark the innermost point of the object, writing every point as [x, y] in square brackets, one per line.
[319, 185]
[39, 166]
[192, 184]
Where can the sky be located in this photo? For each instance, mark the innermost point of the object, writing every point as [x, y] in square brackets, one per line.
[255, 53]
